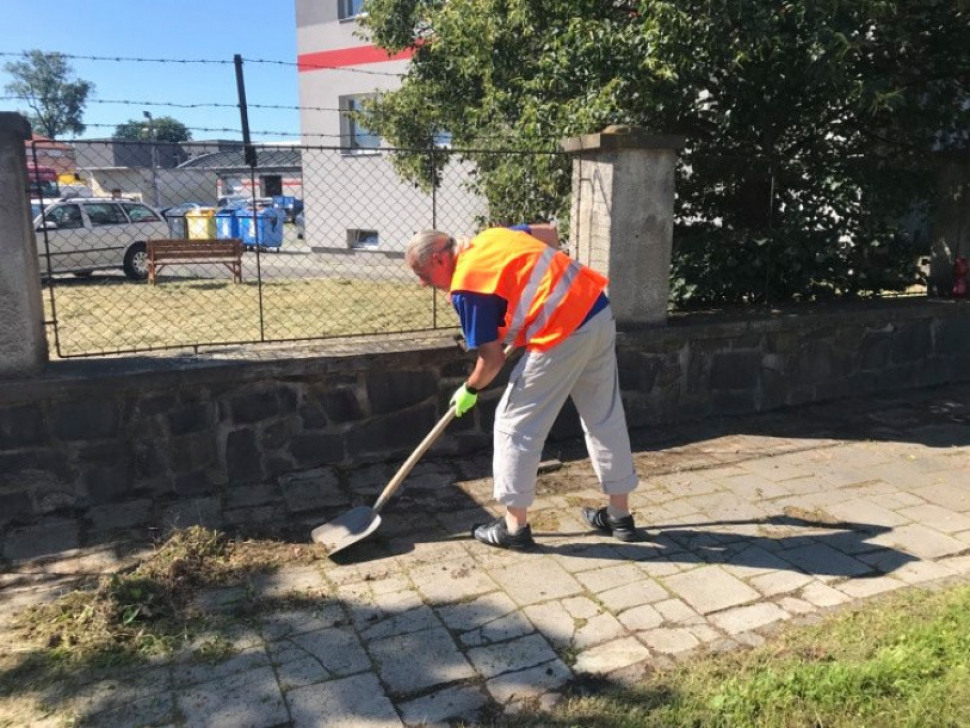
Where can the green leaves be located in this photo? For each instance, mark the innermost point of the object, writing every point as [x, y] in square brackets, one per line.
[810, 125]
[42, 81]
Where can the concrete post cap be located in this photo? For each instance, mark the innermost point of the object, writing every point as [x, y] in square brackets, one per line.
[14, 123]
[622, 136]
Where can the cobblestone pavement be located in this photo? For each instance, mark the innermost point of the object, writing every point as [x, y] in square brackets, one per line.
[749, 523]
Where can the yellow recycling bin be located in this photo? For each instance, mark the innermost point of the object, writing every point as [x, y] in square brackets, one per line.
[201, 223]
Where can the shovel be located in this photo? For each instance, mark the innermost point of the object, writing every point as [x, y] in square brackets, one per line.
[359, 523]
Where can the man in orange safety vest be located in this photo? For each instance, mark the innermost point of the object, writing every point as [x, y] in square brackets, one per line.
[512, 289]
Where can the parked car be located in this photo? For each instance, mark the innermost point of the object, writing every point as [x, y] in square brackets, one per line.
[96, 233]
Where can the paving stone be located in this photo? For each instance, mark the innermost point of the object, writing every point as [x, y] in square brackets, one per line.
[744, 619]
[462, 702]
[610, 656]
[677, 612]
[918, 572]
[938, 517]
[658, 567]
[863, 510]
[796, 606]
[476, 613]
[710, 589]
[576, 557]
[276, 625]
[921, 541]
[440, 661]
[822, 595]
[670, 641]
[553, 621]
[752, 561]
[819, 559]
[407, 622]
[151, 710]
[535, 581]
[601, 628]
[641, 618]
[452, 581]
[300, 579]
[193, 671]
[581, 607]
[529, 683]
[705, 633]
[251, 699]
[779, 582]
[609, 577]
[953, 497]
[499, 630]
[869, 587]
[338, 651]
[390, 602]
[353, 702]
[517, 654]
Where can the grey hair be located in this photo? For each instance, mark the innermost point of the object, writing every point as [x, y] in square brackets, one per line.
[425, 244]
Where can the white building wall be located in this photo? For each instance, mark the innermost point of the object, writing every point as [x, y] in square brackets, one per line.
[344, 190]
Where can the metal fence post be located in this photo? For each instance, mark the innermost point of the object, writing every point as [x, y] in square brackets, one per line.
[23, 346]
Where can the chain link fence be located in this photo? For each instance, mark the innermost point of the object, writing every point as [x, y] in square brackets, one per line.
[322, 229]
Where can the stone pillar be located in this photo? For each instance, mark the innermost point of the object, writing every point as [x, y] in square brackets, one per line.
[622, 216]
[23, 347]
[950, 232]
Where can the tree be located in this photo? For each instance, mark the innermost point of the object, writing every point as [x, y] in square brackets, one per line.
[810, 123]
[167, 130]
[44, 81]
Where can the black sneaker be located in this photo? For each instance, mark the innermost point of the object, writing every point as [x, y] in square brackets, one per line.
[620, 528]
[497, 534]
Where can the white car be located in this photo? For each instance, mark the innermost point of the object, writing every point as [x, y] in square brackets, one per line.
[87, 234]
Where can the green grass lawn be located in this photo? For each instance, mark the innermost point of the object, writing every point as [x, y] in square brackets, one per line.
[901, 661]
[109, 315]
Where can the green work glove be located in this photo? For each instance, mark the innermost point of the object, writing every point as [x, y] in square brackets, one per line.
[463, 399]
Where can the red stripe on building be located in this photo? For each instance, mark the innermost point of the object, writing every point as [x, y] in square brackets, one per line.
[340, 57]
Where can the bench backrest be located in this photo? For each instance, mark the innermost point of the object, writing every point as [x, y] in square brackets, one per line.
[231, 247]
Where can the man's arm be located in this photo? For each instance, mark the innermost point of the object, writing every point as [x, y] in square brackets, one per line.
[491, 359]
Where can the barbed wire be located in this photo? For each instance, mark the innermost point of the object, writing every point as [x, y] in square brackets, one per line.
[185, 61]
[177, 105]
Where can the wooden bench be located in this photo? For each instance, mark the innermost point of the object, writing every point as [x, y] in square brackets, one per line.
[189, 252]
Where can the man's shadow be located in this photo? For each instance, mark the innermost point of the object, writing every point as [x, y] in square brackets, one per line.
[829, 553]
[830, 549]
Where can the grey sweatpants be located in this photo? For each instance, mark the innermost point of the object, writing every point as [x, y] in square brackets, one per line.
[583, 367]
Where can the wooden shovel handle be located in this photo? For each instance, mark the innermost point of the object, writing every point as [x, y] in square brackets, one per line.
[420, 450]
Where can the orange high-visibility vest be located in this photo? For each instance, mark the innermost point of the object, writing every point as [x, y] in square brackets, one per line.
[548, 293]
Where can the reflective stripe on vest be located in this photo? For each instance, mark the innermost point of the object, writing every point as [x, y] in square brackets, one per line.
[553, 301]
[529, 295]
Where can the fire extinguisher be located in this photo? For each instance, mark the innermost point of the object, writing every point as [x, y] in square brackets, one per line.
[960, 269]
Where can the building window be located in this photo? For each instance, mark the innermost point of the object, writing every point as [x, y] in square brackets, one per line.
[349, 9]
[363, 239]
[355, 138]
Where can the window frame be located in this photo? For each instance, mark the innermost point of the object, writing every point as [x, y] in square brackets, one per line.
[345, 10]
[60, 209]
[350, 129]
[355, 234]
[107, 205]
[129, 206]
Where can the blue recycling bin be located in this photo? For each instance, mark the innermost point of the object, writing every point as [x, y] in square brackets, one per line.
[227, 225]
[286, 203]
[263, 228]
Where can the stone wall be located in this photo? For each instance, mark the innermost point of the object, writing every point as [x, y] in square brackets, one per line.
[95, 449]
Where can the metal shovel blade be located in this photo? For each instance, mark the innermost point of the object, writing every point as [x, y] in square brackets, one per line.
[347, 529]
